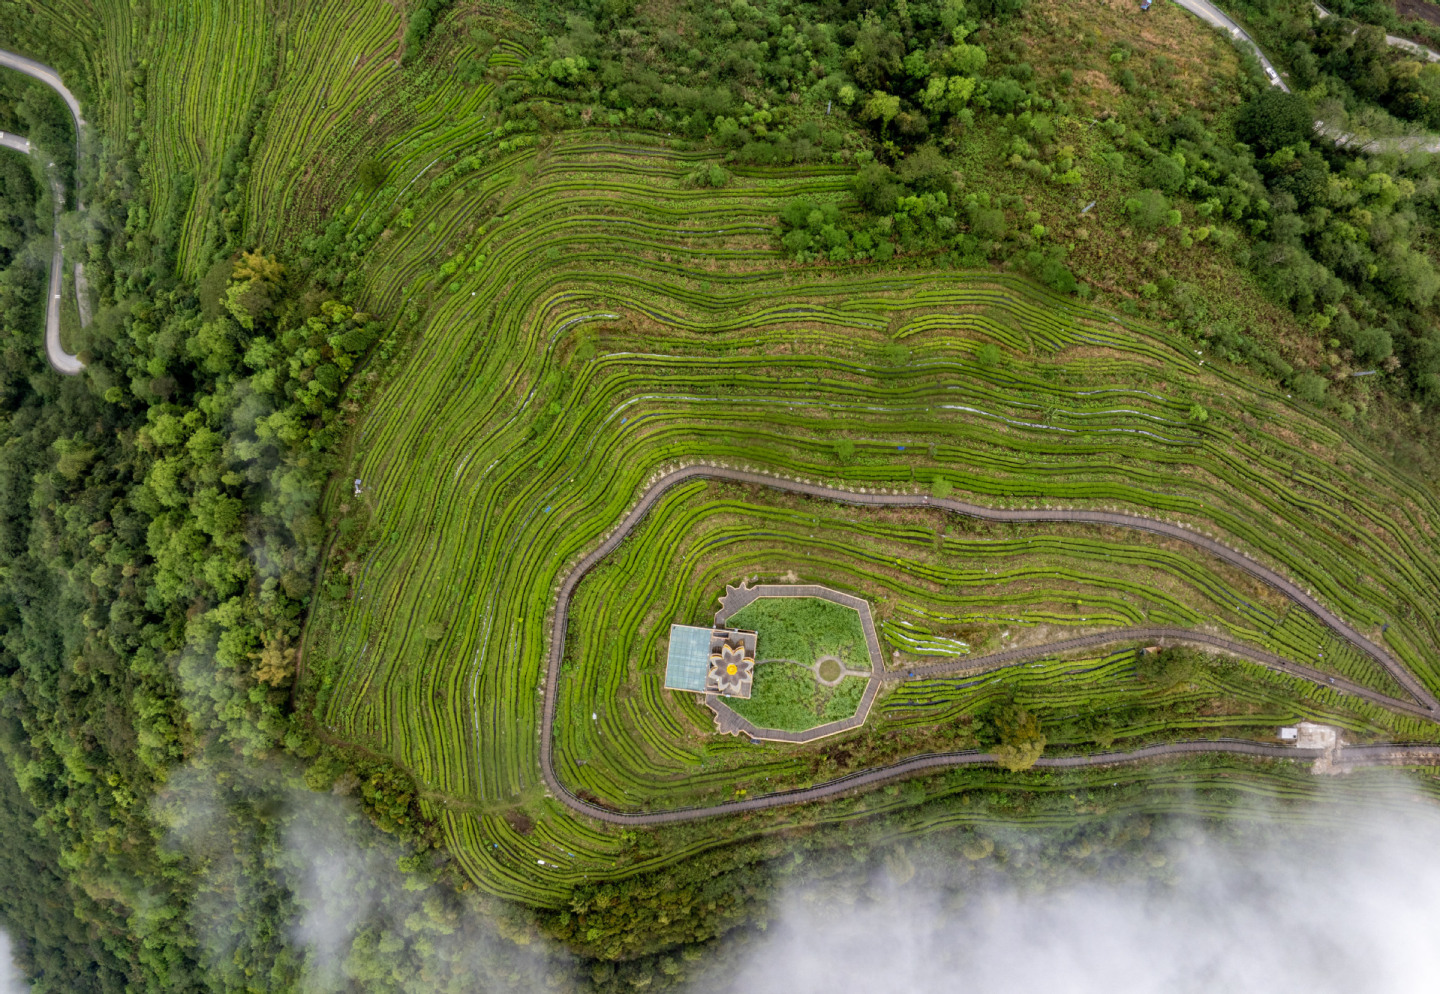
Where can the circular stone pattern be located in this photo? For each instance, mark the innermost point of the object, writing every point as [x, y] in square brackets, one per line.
[786, 696]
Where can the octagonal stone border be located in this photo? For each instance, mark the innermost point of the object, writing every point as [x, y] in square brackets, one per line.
[730, 723]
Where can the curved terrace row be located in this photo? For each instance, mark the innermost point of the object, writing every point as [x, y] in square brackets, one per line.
[1426, 705]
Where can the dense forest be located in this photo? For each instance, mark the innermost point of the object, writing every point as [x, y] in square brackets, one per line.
[160, 544]
[159, 539]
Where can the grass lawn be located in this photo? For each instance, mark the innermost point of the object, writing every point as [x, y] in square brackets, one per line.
[787, 696]
[804, 629]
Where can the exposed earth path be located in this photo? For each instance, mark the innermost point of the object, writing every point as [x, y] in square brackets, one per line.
[1361, 756]
[62, 361]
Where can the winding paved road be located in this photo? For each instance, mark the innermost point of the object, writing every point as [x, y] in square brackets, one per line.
[51, 78]
[1211, 14]
[60, 360]
[1394, 41]
[1354, 756]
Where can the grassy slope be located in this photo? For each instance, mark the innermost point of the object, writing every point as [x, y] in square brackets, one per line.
[787, 697]
[803, 629]
[1180, 64]
[650, 745]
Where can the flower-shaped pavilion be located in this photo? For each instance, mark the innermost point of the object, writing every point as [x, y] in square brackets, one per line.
[711, 660]
[731, 672]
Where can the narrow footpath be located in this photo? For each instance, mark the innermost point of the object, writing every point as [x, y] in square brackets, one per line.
[1425, 704]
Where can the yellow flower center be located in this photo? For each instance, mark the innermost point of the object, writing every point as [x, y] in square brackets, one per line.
[731, 669]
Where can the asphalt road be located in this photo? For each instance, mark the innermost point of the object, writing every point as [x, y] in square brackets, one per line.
[51, 78]
[1208, 12]
[1368, 756]
[60, 360]
[1413, 47]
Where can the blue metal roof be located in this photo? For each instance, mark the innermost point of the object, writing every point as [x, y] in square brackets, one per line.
[688, 659]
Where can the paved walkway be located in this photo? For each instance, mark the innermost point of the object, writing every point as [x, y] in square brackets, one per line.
[60, 360]
[1367, 756]
[977, 665]
[1353, 757]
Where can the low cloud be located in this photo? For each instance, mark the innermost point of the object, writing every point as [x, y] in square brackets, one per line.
[366, 920]
[336, 874]
[1343, 903]
[358, 909]
[11, 980]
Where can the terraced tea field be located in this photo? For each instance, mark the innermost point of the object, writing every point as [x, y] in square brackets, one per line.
[603, 398]
[586, 323]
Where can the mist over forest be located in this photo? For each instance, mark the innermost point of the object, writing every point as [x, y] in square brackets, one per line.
[1346, 904]
[12, 981]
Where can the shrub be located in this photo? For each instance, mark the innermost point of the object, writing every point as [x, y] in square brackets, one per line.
[1273, 119]
[372, 175]
[1013, 736]
[1006, 96]
[988, 223]
[1371, 344]
[1057, 276]
[1169, 667]
[422, 19]
[1164, 174]
[1148, 209]
[1310, 386]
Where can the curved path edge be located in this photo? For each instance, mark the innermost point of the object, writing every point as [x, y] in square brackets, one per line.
[1382, 755]
[1352, 757]
[1394, 41]
[729, 721]
[981, 665]
[736, 599]
[60, 360]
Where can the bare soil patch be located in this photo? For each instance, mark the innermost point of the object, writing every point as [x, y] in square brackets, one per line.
[1418, 10]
